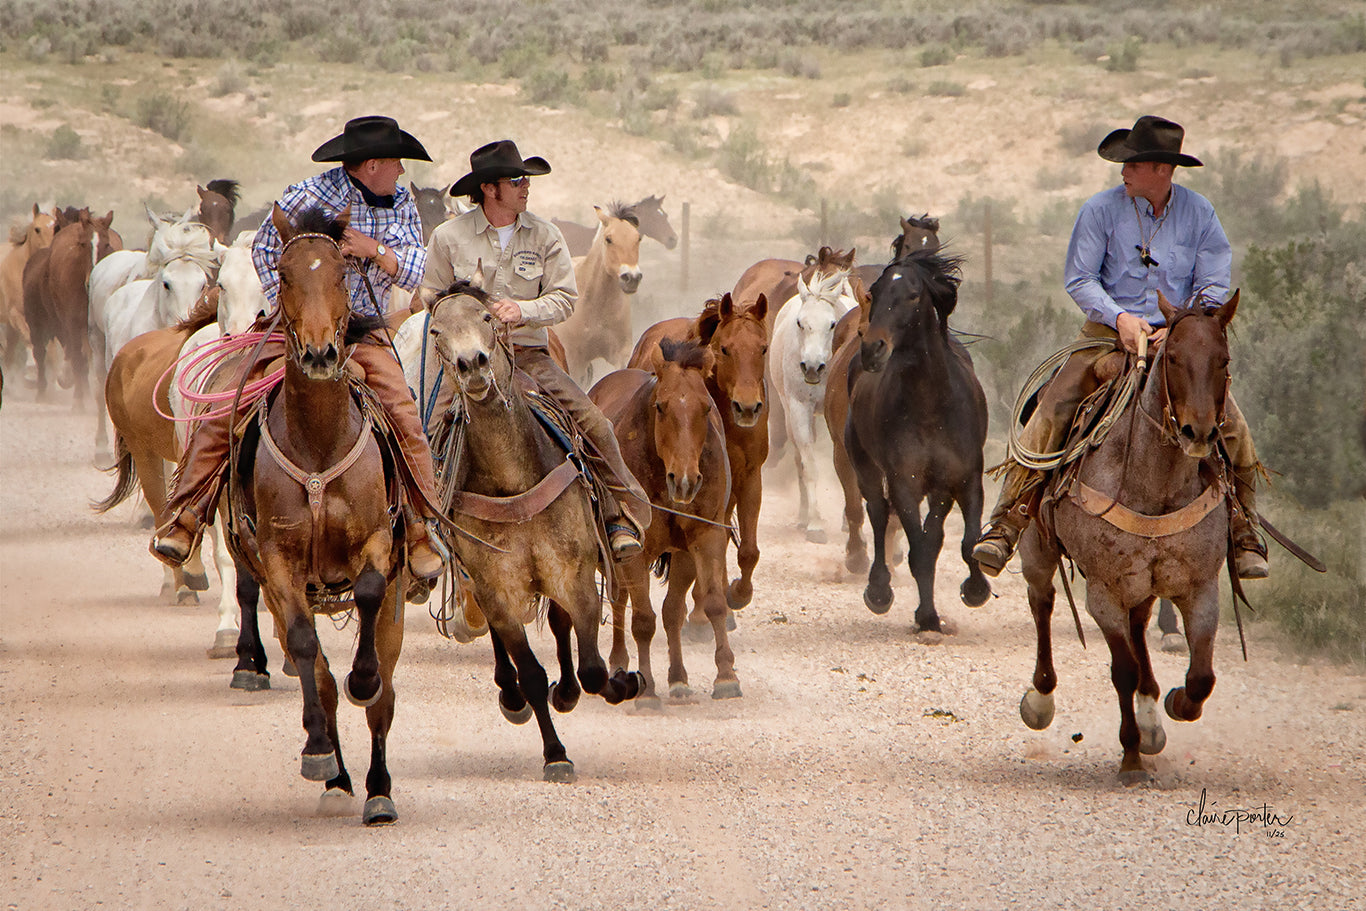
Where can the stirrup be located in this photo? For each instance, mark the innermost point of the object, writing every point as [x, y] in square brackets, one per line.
[623, 540]
[173, 547]
[992, 552]
[1250, 563]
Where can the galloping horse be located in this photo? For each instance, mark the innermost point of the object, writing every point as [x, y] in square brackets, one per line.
[738, 340]
[916, 427]
[216, 207]
[1144, 516]
[649, 212]
[673, 441]
[312, 512]
[606, 277]
[24, 241]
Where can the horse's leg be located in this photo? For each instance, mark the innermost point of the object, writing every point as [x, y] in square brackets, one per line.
[855, 549]
[635, 583]
[682, 575]
[250, 672]
[39, 340]
[1172, 640]
[1151, 736]
[320, 761]
[535, 687]
[1040, 565]
[388, 643]
[337, 788]
[363, 685]
[584, 610]
[1124, 674]
[619, 659]
[225, 636]
[802, 428]
[511, 702]
[565, 692]
[878, 593]
[749, 494]
[975, 588]
[708, 556]
[1200, 613]
[923, 543]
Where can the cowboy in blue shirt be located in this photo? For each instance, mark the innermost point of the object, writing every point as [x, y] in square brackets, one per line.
[1131, 241]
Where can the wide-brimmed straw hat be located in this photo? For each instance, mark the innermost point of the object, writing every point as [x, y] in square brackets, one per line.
[371, 137]
[496, 160]
[1151, 139]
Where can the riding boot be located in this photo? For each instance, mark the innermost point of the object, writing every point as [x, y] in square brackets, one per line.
[1249, 555]
[1008, 521]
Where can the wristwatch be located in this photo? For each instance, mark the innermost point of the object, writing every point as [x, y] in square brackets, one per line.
[380, 250]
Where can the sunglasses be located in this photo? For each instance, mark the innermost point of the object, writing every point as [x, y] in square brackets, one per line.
[518, 182]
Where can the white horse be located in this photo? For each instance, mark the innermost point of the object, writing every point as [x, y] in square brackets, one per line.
[798, 357]
[240, 302]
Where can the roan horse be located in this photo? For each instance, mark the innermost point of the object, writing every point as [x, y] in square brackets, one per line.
[916, 427]
[513, 487]
[1144, 516]
[649, 212]
[601, 324]
[672, 440]
[311, 513]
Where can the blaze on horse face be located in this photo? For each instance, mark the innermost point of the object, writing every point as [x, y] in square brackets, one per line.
[1193, 369]
[312, 296]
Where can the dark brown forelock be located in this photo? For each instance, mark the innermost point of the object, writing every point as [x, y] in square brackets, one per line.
[625, 212]
[315, 220]
[686, 353]
[463, 286]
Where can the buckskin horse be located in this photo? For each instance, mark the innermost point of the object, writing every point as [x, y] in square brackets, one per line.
[1144, 516]
[916, 427]
[673, 441]
[606, 277]
[530, 517]
[311, 512]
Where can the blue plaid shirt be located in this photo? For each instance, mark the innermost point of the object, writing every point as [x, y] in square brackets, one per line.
[399, 228]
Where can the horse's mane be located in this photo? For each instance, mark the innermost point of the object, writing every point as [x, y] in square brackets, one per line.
[941, 273]
[466, 287]
[362, 324]
[228, 189]
[686, 353]
[624, 211]
[316, 220]
[204, 312]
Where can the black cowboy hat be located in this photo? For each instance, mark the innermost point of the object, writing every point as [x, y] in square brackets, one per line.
[371, 137]
[497, 159]
[1151, 139]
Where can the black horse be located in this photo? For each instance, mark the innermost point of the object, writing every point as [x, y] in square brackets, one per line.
[916, 426]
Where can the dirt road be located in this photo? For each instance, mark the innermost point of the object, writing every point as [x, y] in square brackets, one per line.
[860, 769]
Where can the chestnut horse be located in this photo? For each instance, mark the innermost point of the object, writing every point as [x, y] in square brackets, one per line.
[673, 441]
[649, 212]
[738, 340]
[607, 277]
[916, 427]
[1145, 516]
[55, 302]
[311, 513]
[516, 490]
[24, 241]
[216, 208]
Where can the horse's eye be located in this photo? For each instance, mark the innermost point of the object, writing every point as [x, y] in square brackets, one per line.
[488, 317]
[764, 350]
[659, 407]
[608, 241]
[725, 352]
[832, 324]
[801, 325]
[432, 332]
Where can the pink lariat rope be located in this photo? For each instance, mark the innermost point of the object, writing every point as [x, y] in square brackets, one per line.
[203, 361]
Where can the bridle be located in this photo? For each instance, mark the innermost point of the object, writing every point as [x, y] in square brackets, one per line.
[1168, 425]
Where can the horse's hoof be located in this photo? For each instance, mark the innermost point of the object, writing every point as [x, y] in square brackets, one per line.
[379, 811]
[681, 692]
[1174, 643]
[816, 535]
[1036, 709]
[975, 591]
[357, 701]
[1131, 777]
[561, 772]
[224, 644]
[336, 802]
[730, 621]
[726, 689]
[196, 582]
[250, 681]
[561, 703]
[738, 598]
[874, 603]
[1151, 742]
[856, 562]
[320, 768]
[185, 596]
[648, 702]
[288, 667]
[520, 716]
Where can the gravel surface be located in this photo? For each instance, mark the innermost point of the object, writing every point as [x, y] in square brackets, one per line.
[861, 769]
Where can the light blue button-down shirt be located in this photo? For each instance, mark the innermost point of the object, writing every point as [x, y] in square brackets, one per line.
[1105, 273]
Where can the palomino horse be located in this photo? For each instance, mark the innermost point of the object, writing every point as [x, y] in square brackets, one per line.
[916, 427]
[24, 241]
[649, 212]
[1144, 517]
[606, 278]
[673, 441]
[738, 340]
[516, 490]
[798, 362]
[55, 302]
[311, 513]
[217, 204]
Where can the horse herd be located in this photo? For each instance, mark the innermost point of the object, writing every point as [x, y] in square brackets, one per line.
[695, 402]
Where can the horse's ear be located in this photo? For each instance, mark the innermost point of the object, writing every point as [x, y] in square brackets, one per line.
[1168, 311]
[657, 360]
[107, 221]
[344, 217]
[760, 309]
[708, 362]
[725, 307]
[36, 211]
[412, 188]
[189, 216]
[602, 216]
[201, 191]
[711, 318]
[803, 289]
[281, 223]
[1227, 309]
[153, 217]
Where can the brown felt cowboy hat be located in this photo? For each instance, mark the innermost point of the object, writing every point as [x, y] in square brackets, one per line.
[496, 160]
[1151, 139]
[371, 137]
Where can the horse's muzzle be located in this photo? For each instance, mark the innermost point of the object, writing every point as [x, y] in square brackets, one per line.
[873, 354]
[746, 415]
[682, 489]
[320, 364]
[630, 281]
[813, 374]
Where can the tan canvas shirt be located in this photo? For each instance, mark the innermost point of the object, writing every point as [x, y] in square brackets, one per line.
[535, 270]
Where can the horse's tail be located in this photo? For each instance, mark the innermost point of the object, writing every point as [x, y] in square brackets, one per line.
[127, 477]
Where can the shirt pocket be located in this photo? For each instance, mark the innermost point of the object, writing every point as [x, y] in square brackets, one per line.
[528, 266]
[1180, 265]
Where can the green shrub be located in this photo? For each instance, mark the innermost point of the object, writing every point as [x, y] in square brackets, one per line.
[65, 144]
[1123, 58]
[713, 102]
[946, 89]
[229, 80]
[936, 55]
[165, 114]
[841, 100]
[742, 158]
[548, 87]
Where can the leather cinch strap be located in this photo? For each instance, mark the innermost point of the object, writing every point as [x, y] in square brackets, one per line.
[1187, 517]
[521, 507]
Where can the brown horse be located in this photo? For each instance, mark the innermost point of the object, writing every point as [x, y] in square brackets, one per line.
[916, 427]
[649, 212]
[312, 513]
[55, 300]
[516, 490]
[24, 241]
[607, 277]
[1144, 516]
[672, 439]
[216, 208]
[738, 340]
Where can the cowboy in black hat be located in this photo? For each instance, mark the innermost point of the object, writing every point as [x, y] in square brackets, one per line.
[530, 275]
[1131, 241]
[384, 242]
